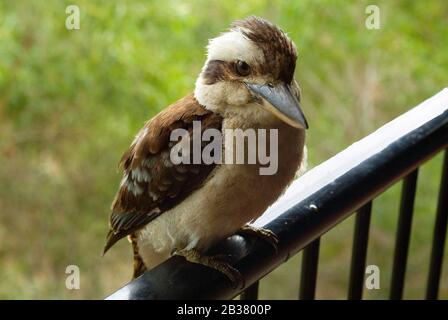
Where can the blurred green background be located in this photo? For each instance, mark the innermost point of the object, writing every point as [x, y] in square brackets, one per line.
[71, 102]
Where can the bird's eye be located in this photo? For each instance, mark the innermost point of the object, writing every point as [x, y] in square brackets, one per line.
[242, 68]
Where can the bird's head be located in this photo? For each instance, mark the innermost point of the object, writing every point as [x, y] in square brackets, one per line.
[250, 71]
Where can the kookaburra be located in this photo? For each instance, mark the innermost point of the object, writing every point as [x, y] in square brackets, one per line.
[247, 82]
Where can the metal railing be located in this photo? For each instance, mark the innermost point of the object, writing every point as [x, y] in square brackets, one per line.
[317, 202]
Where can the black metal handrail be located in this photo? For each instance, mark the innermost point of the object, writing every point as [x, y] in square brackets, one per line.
[317, 202]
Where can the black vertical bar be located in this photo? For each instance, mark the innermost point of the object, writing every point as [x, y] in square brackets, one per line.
[308, 277]
[403, 235]
[250, 293]
[359, 253]
[438, 242]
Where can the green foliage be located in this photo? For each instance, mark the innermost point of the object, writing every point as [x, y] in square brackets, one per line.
[71, 101]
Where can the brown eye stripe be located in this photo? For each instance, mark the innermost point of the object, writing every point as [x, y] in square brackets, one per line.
[217, 70]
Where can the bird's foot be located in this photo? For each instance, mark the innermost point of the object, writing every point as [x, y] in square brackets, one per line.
[262, 233]
[214, 262]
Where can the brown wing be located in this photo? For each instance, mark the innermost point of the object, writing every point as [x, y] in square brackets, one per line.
[151, 183]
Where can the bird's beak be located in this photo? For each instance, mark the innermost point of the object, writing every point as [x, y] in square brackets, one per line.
[279, 100]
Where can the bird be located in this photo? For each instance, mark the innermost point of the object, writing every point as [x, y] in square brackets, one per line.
[166, 208]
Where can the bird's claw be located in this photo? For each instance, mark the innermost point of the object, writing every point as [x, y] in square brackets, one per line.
[215, 262]
[265, 234]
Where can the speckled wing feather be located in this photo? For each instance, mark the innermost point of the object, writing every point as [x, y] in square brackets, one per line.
[151, 183]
